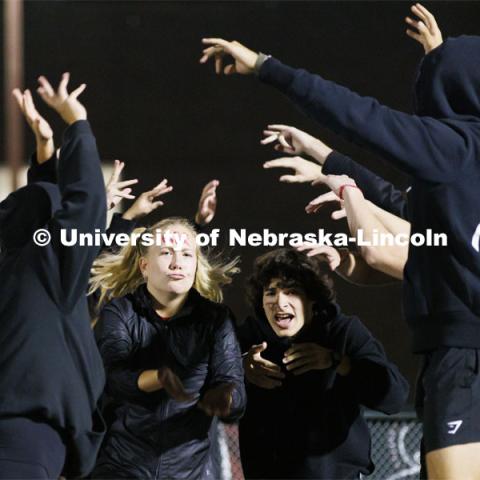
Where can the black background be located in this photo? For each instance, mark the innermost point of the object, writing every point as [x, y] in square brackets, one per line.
[154, 106]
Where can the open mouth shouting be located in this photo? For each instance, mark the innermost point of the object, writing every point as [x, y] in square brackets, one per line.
[283, 320]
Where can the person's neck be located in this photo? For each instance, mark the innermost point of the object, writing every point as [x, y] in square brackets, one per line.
[167, 304]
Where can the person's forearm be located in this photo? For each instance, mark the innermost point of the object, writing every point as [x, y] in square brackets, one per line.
[148, 381]
[388, 259]
[392, 223]
[318, 151]
[354, 269]
[45, 150]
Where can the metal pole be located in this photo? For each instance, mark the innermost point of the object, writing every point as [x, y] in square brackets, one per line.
[13, 77]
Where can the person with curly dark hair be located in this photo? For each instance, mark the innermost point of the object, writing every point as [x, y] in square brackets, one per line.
[309, 371]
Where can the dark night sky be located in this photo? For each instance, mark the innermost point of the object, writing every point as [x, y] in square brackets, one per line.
[154, 106]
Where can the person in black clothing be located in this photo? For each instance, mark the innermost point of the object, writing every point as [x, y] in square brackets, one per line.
[171, 356]
[310, 369]
[438, 147]
[52, 374]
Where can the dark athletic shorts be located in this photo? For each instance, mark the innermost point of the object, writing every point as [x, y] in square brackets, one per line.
[448, 397]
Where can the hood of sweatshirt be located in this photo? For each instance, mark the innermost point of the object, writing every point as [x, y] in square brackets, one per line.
[25, 211]
[448, 80]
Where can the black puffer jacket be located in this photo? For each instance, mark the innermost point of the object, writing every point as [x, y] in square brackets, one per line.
[153, 436]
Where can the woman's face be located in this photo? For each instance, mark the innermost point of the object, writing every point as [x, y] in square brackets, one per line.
[171, 266]
[287, 310]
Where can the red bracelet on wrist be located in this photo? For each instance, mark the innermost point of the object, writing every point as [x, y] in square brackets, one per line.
[343, 187]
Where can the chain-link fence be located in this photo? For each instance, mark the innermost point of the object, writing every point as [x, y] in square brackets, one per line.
[395, 447]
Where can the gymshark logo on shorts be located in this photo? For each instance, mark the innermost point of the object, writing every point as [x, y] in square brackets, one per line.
[454, 426]
[476, 239]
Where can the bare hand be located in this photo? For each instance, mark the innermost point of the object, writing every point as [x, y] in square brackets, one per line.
[305, 357]
[296, 142]
[173, 385]
[261, 372]
[217, 401]
[327, 253]
[317, 203]
[244, 59]
[64, 103]
[37, 123]
[303, 170]
[207, 204]
[146, 203]
[117, 190]
[427, 32]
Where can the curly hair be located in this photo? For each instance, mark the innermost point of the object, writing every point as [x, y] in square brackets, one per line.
[294, 270]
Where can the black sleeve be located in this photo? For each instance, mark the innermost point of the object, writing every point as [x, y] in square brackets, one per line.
[226, 365]
[423, 147]
[45, 172]
[83, 209]
[376, 189]
[117, 349]
[118, 225]
[374, 380]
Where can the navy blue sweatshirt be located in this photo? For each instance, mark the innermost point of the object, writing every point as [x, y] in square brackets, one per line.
[439, 147]
[51, 370]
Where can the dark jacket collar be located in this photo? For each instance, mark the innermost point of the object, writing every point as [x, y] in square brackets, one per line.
[143, 302]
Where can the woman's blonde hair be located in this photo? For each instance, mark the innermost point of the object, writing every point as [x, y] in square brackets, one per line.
[117, 274]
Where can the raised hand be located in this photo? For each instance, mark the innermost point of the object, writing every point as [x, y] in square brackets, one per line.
[117, 190]
[244, 59]
[322, 200]
[303, 170]
[326, 253]
[261, 372]
[305, 357]
[426, 29]
[37, 123]
[296, 142]
[207, 204]
[64, 103]
[147, 202]
[217, 401]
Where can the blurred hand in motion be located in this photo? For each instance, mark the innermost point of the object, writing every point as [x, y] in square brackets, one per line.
[304, 357]
[207, 205]
[173, 385]
[261, 372]
[217, 401]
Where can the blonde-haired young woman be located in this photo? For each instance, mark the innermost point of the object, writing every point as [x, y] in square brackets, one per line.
[170, 352]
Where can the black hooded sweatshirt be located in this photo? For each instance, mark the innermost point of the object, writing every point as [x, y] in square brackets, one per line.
[439, 147]
[311, 426]
[50, 367]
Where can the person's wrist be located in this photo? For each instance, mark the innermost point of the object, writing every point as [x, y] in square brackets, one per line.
[129, 215]
[260, 59]
[348, 189]
[318, 150]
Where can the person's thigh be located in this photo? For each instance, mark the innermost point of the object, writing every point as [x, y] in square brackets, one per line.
[457, 462]
[451, 413]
